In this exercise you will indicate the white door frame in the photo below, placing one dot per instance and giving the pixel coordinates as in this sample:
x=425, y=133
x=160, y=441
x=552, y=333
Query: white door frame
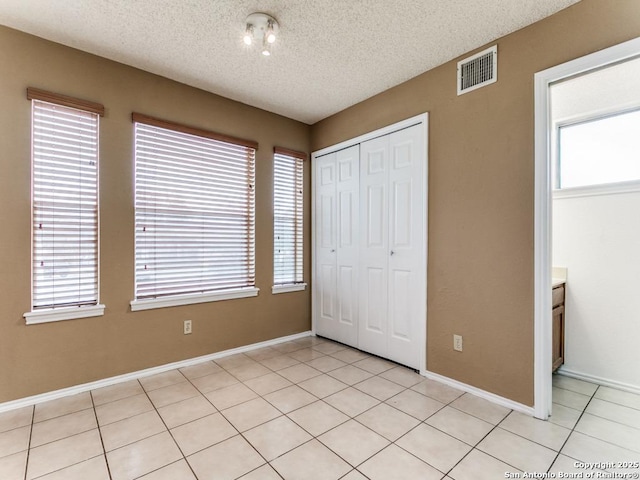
x=543, y=209
x=422, y=119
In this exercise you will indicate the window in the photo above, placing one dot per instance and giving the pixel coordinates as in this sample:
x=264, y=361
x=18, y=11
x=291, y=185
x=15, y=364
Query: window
x=194, y=215
x=599, y=151
x=64, y=142
x=287, y=220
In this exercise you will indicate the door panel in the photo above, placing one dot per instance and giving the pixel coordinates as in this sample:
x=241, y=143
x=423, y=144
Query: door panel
x=325, y=230
x=406, y=247
x=401, y=215
x=347, y=284
x=399, y=311
x=346, y=214
x=347, y=190
x=374, y=246
x=327, y=291
x=327, y=221
x=375, y=321
x=376, y=217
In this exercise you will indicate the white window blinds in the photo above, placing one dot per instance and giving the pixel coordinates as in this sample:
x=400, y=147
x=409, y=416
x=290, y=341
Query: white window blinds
x=288, y=220
x=65, y=206
x=194, y=213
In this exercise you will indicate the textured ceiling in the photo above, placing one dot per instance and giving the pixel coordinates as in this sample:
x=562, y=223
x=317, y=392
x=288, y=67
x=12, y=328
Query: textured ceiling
x=330, y=53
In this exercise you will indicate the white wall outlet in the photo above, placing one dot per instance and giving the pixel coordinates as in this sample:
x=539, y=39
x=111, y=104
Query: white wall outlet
x=457, y=343
x=187, y=327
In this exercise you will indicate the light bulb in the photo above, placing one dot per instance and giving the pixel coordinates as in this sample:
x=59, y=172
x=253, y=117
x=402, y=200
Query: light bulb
x=248, y=35
x=270, y=34
x=266, y=48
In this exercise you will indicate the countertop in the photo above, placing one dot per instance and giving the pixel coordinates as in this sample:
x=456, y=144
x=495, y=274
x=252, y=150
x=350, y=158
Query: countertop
x=556, y=281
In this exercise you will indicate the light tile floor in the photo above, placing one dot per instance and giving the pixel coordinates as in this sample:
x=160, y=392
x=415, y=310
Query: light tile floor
x=310, y=409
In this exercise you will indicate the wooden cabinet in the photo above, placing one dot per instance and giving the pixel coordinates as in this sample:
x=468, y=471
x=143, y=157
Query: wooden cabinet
x=558, y=326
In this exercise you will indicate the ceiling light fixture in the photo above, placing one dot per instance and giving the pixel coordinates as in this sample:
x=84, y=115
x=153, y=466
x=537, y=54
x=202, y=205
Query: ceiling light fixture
x=261, y=29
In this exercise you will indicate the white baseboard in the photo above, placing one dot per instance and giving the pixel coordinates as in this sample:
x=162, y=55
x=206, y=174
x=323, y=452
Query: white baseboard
x=492, y=397
x=85, y=387
x=627, y=387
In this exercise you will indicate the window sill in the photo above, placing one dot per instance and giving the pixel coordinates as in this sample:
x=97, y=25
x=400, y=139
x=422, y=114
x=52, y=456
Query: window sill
x=593, y=190
x=290, y=287
x=177, y=300
x=65, y=313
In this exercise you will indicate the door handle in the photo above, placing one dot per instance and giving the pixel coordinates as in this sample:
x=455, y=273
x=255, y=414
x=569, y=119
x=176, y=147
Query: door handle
x=392, y=252
x=333, y=250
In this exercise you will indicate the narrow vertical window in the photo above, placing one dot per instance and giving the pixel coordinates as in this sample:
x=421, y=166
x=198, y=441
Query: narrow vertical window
x=287, y=220
x=195, y=215
x=65, y=250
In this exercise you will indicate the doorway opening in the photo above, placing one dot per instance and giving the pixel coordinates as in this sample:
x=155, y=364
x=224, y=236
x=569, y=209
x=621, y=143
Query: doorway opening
x=550, y=174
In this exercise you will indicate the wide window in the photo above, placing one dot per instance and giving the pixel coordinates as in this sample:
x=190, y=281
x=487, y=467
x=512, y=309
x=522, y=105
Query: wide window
x=599, y=151
x=194, y=215
x=64, y=207
x=287, y=220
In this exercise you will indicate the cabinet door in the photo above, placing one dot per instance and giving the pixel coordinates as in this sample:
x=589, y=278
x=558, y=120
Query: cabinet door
x=347, y=188
x=325, y=242
x=374, y=245
x=407, y=247
x=558, y=337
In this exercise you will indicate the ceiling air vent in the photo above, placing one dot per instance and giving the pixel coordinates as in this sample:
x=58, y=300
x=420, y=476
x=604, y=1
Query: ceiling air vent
x=478, y=70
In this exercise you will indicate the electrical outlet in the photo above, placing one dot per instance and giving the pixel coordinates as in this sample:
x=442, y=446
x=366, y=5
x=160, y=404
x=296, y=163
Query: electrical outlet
x=457, y=343
x=187, y=327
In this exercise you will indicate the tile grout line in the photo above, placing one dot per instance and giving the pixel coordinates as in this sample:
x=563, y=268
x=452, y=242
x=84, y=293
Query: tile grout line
x=574, y=427
x=606, y=441
x=26, y=463
x=423, y=422
x=95, y=414
x=349, y=418
x=227, y=420
x=64, y=438
x=612, y=421
x=530, y=439
x=155, y=409
x=609, y=419
x=315, y=437
x=475, y=447
x=263, y=423
x=384, y=402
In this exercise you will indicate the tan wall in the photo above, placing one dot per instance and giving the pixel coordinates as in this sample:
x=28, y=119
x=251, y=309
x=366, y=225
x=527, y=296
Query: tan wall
x=481, y=179
x=40, y=358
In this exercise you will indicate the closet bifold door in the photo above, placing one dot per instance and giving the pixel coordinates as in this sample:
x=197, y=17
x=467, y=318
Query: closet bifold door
x=392, y=240
x=336, y=237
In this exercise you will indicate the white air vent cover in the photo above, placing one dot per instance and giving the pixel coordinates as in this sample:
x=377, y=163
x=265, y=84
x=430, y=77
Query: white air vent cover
x=478, y=70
